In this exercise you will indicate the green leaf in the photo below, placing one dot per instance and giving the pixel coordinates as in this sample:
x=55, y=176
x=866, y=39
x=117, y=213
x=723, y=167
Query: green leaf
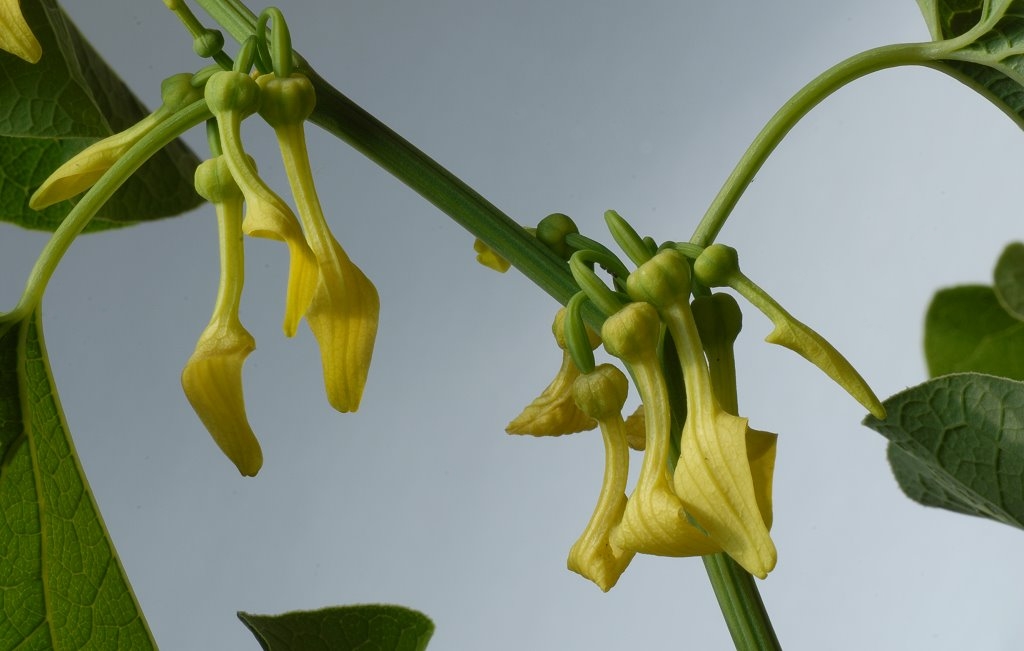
x=52, y=109
x=966, y=329
x=61, y=584
x=377, y=627
x=988, y=60
x=957, y=442
x=1009, y=280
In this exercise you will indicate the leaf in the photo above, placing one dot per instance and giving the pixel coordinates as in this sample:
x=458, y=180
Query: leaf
x=379, y=627
x=1009, y=280
x=966, y=329
x=52, y=109
x=61, y=584
x=957, y=442
x=989, y=62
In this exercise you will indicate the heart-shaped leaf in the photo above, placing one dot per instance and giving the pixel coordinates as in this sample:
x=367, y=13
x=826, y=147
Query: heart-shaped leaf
x=966, y=329
x=61, y=584
x=984, y=55
x=957, y=442
x=52, y=109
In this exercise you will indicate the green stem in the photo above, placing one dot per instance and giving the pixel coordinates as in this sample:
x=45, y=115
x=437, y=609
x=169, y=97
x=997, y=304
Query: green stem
x=344, y=118
x=348, y=121
x=734, y=587
x=859, y=65
x=93, y=200
x=741, y=605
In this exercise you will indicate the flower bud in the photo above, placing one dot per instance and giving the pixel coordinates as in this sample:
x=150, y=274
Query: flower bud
x=716, y=265
x=661, y=281
x=285, y=101
x=601, y=393
x=231, y=91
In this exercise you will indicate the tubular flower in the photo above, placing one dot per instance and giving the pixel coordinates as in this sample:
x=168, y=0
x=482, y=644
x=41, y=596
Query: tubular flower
x=16, y=36
x=212, y=378
x=600, y=394
x=232, y=96
x=85, y=168
x=713, y=477
x=718, y=266
x=654, y=521
x=345, y=307
x=554, y=412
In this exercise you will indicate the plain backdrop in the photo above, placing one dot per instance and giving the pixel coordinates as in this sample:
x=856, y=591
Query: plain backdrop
x=902, y=183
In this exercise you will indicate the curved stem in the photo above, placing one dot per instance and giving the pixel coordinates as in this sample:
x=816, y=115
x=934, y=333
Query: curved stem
x=859, y=65
x=93, y=200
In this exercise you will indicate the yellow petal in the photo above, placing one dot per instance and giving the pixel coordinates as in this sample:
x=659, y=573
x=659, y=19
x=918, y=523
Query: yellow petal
x=16, y=36
x=267, y=216
x=810, y=345
x=87, y=166
x=343, y=316
x=554, y=412
x=488, y=257
x=601, y=395
x=761, y=455
x=654, y=521
x=212, y=380
x=636, y=434
x=714, y=480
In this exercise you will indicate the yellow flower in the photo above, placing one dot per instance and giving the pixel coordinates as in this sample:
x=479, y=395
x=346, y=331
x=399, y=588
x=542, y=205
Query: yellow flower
x=343, y=317
x=16, y=36
x=713, y=477
x=600, y=394
x=212, y=378
x=87, y=166
x=654, y=521
x=212, y=381
x=233, y=96
x=554, y=412
x=345, y=307
x=718, y=266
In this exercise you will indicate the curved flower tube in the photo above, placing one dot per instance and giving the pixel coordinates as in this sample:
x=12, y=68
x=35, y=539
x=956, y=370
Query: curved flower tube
x=600, y=394
x=345, y=307
x=212, y=378
x=232, y=97
x=79, y=173
x=554, y=412
x=713, y=476
x=654, y=521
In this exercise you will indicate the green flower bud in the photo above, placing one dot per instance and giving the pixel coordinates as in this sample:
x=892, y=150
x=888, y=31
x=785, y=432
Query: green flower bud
x=632, y=332
x=286, y=101
x=208, y=43
x=232, y=91
x=552, y=231
x=718, y=319
x=716, y=265
x=602, y=393
x=177, y=92
x=214, y=181
x=662, y=281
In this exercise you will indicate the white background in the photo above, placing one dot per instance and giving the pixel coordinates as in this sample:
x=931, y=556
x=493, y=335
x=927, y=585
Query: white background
x=898, y=185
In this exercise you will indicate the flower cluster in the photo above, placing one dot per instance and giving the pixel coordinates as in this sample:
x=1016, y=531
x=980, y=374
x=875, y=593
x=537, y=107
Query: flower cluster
x=705, y=483
x=325, y=287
